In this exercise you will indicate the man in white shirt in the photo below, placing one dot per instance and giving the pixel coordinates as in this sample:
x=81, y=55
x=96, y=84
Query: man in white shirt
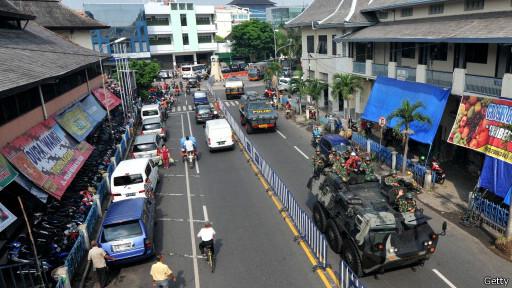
x=189, y=144
x=98, y=256
x=207, y=235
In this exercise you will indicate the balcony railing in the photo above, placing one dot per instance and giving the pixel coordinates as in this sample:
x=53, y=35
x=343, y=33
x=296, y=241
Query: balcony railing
x=406, y=73
x=359, y=67
x=158, y=22
x=483, y=85
x=380, y=70
x=438, y=78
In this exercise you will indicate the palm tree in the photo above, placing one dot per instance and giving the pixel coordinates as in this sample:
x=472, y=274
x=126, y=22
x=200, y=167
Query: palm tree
x=272, y=72
x=406, y=115
x=315, y=88
x=298, y=84
x=344, y=85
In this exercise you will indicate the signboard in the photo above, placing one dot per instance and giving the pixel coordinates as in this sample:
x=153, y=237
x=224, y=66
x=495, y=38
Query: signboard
x=401, y=74
x=7, y=173
x=93, y=108
x=481, y=125
x=382, y=121
x=110, y=101
x=76, y=122
x=6, y=217
x=47, y=156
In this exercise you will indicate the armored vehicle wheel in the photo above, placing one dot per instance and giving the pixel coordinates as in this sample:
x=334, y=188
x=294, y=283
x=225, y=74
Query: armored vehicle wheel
x=333, y=236
x=319, y=217
x=350, y=256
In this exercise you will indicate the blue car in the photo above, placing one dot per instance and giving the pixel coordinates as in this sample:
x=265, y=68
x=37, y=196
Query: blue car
x=327, y=142
x=200, y=98
x=127, y=230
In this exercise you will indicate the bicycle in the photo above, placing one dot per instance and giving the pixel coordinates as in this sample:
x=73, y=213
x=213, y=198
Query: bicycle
x=210, y=257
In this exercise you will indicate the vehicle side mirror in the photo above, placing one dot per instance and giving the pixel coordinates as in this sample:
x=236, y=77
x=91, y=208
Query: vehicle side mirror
x=444, y=227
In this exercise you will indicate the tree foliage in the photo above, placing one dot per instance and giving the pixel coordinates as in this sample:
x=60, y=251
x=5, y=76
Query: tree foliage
x=344, y=85
x=254, y=39
x=272, y=72
x=145, y=74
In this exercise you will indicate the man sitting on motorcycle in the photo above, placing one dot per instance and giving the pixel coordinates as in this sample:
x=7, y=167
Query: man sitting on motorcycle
x=188, y=145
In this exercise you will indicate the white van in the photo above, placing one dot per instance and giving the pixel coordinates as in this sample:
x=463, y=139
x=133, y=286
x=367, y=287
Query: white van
x=129, y=177
x=150, y=111
x=187, y=72
x=219, y=134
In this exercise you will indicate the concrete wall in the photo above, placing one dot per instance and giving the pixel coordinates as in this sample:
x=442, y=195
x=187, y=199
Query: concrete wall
x=487, y=69
x=18, y=126
x=79, y=37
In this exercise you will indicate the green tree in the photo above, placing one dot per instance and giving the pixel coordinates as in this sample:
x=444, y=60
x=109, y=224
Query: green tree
x=315, y=88
x=343, y=87
x=254, y=39
x=272, y=73
x=145, y=74
x=406, y=115
x=300, y=86
x=219, y=39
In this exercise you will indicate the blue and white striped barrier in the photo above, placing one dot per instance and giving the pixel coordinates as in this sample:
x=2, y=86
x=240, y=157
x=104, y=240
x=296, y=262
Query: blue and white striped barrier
x=347, y=278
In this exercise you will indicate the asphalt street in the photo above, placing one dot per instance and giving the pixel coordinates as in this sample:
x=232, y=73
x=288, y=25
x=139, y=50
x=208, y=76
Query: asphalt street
x=461, y=260
x=254, y=246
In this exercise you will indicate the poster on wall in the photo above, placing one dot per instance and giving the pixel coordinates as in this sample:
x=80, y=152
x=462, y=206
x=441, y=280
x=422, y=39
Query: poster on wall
x=484, y=125
x=7, y=173
x=6, y=217
x=48, y=156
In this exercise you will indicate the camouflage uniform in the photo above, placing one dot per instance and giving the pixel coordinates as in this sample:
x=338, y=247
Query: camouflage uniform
x=406, y=205
x=369, y=174
x=339, y=169
x=391, y=180
x=318, y=165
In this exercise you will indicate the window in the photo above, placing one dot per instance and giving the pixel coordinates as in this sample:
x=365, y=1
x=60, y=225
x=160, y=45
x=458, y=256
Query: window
x=406, y=12
x=436, y=9
x=174, y=6
x=157, y=20
x=203, y=20
x=190, y=6
x=183, y=18
x=311, y=44
x=334, y=48
x=439, y=52
x=382, y=14
x=182, y=6
x=204, y=38
x=121, y=231
x=477, y=53
x=470, y=5
x=409, y=50
x=322, y=44
x=185, y=39
x=126, y=180
x=160, y=39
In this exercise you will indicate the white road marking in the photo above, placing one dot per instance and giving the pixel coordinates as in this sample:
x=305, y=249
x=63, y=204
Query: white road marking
x=190, y=107
x=191, y=134
x=226, y=103
x=186, y=101
x=236, y=102
x=302, y=153
x=170, y=194
x=450, y=284
x=173, y=109
x=179, y=108
x=170, y=219
x=282, y=135
x=205, y=213
x=190, y=216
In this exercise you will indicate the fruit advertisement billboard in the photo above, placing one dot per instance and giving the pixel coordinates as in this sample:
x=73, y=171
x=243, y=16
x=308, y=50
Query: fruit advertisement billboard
x=485, y=125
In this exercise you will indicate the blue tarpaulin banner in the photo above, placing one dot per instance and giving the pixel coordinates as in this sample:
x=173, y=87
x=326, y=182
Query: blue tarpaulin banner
x=93, y=108
x=496, y=177
x=387, y=95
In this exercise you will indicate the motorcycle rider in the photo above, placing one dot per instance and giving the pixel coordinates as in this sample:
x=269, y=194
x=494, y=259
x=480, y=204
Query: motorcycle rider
x=188, y=146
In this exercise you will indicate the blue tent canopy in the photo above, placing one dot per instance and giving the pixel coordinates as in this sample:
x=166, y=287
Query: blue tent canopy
x=496, y=177
x=387, y=95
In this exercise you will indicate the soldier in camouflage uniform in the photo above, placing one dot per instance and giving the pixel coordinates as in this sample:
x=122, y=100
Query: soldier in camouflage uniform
x=392, y=180
x=339, y=168
x=332, y=157
x=406, y=203
x=318, y=164
x=366, y=166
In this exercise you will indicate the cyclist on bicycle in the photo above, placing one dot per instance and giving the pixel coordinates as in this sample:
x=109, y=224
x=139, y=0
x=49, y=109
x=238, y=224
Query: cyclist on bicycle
x=207, y=235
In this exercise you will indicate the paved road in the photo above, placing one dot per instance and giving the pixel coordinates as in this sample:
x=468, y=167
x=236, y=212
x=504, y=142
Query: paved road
x=461, y=260
x=255, y=247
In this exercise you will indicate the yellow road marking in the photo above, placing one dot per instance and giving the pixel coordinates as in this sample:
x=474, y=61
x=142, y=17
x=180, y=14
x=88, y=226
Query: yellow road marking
x=288, y=221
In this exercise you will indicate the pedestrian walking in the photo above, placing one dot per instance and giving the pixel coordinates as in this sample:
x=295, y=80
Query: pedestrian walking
x=97, y=255
x=161, y=273
x=165, y=156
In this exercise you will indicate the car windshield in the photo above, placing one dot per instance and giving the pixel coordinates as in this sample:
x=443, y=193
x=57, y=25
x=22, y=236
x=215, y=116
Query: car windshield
x=144, y=147
x=253, y=71
x=203, y=108
x=122, y=231
x=150, y=113
x=152, y=126
x=128, y=180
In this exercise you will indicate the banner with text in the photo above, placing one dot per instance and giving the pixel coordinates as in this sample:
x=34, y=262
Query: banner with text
x=7, y=173
x=76, y=122
x=6, y=217
x=484, y=124
x=109, y=101
x=47, y=156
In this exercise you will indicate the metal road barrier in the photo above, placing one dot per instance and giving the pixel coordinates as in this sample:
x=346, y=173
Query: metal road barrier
x=16, y=276
x=492, y=214
x=347, y=278
x=308, y=231
x=76, y=256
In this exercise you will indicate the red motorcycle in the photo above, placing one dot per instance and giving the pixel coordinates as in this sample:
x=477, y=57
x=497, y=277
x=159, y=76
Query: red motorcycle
x=270, y=93
x=440, y=175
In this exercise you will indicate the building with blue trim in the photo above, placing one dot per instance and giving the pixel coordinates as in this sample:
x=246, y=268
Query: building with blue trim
x=257, y=8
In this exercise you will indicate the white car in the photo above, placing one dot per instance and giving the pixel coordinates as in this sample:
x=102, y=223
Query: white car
x=150, y=111
x=219, y=135
x=127, y=180
x=284, y=84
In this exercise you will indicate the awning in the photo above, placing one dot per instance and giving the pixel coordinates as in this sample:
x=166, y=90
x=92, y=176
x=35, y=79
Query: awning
x=6, y=217
x=491, y=27
x=110, y=101
x=495, y=177
x=387, y=95
x=48, y=156
x=7, y=173
x=31, y=187
x=93, y=108
x=76, y=122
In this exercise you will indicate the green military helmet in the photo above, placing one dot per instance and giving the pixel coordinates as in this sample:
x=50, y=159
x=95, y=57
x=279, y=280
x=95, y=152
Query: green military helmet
x=409, y=196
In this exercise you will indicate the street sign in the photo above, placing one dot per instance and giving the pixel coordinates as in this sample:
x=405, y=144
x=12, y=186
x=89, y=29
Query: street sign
x=382, y=121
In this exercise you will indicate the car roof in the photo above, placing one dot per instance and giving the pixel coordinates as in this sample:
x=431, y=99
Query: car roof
x=336, y=139
x=151, y=120
x=126, y=166
x=204, y=106
x=150, y=106
x=125, y=210
x=146, y=138
x=218, y=122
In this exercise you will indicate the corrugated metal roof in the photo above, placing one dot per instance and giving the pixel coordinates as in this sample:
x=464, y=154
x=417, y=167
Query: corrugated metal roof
x=316, y=11
x=8, y=10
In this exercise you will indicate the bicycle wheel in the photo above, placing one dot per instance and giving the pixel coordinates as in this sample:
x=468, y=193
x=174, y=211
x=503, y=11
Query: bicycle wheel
x=211, y=261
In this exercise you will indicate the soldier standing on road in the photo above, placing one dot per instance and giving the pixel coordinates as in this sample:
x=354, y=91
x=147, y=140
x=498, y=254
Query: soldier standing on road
x=161, y=273
x=318, y=164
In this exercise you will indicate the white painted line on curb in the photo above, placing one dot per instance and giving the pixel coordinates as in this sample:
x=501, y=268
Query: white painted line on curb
x=205, y=213
x=282, y=135
x=302, y=153
x=450, y=284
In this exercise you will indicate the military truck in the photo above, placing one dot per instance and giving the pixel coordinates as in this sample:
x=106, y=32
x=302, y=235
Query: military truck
x=257, y=113
x=369, y=233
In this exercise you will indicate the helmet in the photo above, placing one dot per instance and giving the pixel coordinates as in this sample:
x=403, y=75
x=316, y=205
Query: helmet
x=333, y=149
x=409, y=196
x=353, y=154
x=187, y=138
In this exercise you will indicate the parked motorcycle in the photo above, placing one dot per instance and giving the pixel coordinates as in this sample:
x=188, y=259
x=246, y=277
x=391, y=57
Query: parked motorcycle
x=440, y=175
